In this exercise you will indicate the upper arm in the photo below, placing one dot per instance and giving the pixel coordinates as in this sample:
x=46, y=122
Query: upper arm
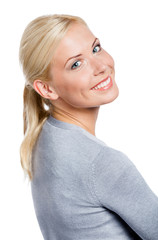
x=120, y=187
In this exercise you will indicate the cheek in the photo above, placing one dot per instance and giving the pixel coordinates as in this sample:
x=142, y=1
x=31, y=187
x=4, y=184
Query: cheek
x=71, y=82
x=108, y=58
x=78, y=81
x=112, y=63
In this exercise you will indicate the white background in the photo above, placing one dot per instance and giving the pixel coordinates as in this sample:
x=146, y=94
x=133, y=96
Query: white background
x=128, y=31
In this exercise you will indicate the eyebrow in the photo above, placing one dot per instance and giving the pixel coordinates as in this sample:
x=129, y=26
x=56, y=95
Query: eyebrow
x=78, y=55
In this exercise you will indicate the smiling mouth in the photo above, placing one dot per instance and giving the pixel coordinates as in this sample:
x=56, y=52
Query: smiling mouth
x=104, y=84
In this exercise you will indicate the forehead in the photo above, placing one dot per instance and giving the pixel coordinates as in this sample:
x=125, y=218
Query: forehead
x=75, y=41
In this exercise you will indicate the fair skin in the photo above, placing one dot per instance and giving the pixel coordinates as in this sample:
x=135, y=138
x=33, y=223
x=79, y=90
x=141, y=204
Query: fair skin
x=70, y=89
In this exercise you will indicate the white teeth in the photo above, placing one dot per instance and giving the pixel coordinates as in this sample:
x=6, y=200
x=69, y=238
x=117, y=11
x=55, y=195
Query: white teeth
x=103, y=84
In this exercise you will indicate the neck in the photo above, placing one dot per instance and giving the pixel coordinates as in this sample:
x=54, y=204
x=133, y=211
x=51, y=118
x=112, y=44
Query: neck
x=83, y=117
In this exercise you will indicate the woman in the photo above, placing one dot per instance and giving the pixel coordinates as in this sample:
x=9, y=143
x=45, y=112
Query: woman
x=81, y=188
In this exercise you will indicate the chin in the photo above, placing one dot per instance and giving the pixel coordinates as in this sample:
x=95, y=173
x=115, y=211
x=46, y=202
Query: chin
x=111, y=97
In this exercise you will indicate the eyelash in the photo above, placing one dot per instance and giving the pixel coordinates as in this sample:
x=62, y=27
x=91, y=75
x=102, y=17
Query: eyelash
x=78, y=60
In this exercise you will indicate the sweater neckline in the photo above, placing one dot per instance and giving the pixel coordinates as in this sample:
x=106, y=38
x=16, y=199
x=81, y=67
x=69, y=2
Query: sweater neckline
x=71, y=126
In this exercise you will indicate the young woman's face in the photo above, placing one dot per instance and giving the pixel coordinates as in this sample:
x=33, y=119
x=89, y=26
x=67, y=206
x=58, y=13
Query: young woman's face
x=80, y=64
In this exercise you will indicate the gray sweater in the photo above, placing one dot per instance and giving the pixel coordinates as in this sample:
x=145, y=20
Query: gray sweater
x=83, y=189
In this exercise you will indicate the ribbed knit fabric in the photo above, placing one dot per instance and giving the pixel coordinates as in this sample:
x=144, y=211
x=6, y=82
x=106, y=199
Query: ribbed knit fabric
x=83, y=189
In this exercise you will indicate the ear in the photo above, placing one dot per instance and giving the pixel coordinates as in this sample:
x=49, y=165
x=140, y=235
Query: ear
x=45, y=90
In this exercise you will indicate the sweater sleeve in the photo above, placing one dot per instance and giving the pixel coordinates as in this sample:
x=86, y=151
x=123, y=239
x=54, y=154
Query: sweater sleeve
x=119, y=187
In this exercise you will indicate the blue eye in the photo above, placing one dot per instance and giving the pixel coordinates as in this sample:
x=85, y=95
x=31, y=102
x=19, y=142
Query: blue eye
x=98, y=46
x=75, y=65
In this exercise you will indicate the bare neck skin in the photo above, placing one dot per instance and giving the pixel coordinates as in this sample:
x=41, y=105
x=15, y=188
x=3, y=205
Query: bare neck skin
x=83, y=117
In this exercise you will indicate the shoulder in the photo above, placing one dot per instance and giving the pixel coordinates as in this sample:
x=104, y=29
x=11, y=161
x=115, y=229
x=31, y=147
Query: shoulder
x=72, y=141
x=111, y=157
x=112, y=174
x=110, y=165
x=79, y=144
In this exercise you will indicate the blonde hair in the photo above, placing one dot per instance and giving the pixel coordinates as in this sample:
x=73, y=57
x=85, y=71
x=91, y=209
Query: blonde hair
x=37, y=47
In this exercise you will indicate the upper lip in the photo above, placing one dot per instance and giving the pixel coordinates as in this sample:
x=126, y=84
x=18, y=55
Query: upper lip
x=101, y=81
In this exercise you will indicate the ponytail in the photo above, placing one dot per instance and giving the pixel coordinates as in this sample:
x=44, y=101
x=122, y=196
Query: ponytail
x=38, y=44
x=34, y=116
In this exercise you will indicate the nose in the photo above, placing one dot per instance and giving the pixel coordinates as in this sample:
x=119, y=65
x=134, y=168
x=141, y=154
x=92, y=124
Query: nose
x=99, y=67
